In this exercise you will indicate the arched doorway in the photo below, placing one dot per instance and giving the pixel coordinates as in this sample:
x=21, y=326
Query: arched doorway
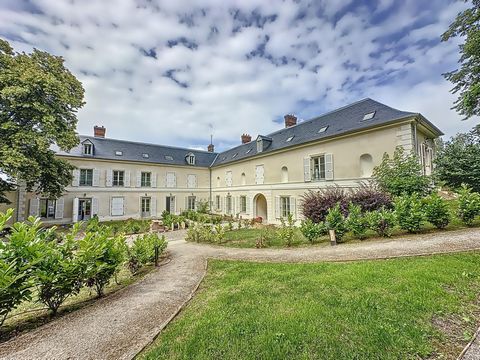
x=260, y=206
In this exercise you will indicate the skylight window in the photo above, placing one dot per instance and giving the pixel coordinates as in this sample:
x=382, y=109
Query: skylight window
x=118, y=153
x=290, y=138
x=234, y=155
x=248, y=151
x=323, y=129
x=145, y=155
x=168, y=157
x=369, y=116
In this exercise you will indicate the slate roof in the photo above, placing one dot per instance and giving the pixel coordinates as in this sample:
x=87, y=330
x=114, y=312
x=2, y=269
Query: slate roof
x=341, y=121
x=105, y=148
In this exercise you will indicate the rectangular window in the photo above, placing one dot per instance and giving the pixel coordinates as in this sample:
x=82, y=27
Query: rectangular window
x=146, y=179
x=117, y=208
x=217, y=202
x=146, y=201
x=318, y=168
x=229, y=204
x=284, y=206
x=47, y=208
x=171, y=180
x=118, y=178
x=86, y=177
x=87, y=149
x=191, y=203
x=243, y=204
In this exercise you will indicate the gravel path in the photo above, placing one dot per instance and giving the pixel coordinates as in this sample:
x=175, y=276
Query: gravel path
x=120, y=325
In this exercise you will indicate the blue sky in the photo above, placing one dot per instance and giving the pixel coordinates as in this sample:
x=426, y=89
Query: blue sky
x=174, y=72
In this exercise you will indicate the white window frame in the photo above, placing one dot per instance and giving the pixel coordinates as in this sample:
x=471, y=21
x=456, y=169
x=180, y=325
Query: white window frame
x=47, y=201
x=85, y=177
x=316, y=172
x=146, y=206
x=229, y=204
x=87, y=149
x=191, y=201
x=218, y=202
x=243, y=204
x=144, y=176
x=285, y=206
x=116, y=179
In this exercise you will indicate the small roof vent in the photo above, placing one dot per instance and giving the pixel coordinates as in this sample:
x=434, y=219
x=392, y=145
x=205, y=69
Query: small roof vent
x=369, y=116
x=145, y=155
x=323, y=129
x=118, y=153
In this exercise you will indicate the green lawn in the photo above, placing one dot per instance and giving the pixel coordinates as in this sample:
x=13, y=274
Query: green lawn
x=410, y=308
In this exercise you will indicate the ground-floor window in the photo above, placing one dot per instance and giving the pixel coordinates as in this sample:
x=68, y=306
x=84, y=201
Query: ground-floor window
x=243, y=204
x=191, y=203
x=117, y=206
x=284, y=206
x=47, y=208
x=146, y=202
x=229, y=204
x=218, y=202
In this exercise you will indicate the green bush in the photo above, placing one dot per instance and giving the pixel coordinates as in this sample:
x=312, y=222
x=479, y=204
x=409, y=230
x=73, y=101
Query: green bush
x=410, y=212
x=142, y=251
x=468, y=205
x=286, y=232
x=201, y=233
x=312, y=231
x=436, y=211
x=18, y=254
x=356, y=221
x=381, y=221
x=100, y=256
x=401, y=174
x=57, y=273
x=219, y=233
x=336, y=221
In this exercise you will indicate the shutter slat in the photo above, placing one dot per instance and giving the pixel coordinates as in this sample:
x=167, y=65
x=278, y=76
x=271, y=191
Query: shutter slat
x=307, y=177
x=328, y=166
x=59, y=206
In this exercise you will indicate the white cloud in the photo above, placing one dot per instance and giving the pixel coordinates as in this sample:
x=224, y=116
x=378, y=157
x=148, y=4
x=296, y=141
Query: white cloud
x=218, y=68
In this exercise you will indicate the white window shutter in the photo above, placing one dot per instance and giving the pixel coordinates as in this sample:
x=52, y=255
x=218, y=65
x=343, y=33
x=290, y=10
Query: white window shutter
x=139, y=179
x=153, y=206
x=328, y=166
x=59, y=206
x=154, y=179
x=293, y=207
x=96, y=177
x=76, y=177
x=277, y=207
x=127, y=178
x=249, y=199
x=75, y=210
x=34, y=207
x=94, y=206
x=109, y=178
x=306, y=170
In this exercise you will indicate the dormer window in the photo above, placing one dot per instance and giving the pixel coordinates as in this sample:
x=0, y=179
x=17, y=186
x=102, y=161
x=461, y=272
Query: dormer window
x=190, y=159
x=87, y=148
x=323, y=129
x=369, y=116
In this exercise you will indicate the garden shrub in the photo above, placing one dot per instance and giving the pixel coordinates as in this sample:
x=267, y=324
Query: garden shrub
x=316, y=204
x=142, y=251
x=436, y=211
x=219, y=233
x=401, y=174
x=410, y=212
x=57, y=273
x=100, y=256
x=312, y=231
x=201, y=233
x=356, y=221
x=370, y=198
x=19, y=252
x=286, y=232
x=336, y=221
x=267, y=234
x=381, y=221
x=468, y=205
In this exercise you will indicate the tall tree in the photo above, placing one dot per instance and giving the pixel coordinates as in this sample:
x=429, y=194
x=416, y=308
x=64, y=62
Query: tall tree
x=457, y=160
x=466, y=80
x=39, y=99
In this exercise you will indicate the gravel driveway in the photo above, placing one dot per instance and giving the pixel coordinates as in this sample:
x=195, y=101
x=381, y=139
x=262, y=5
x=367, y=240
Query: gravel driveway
x=121, y=325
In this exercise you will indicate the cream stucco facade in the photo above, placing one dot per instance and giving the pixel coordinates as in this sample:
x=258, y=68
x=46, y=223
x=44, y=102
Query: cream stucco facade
x=268, y=185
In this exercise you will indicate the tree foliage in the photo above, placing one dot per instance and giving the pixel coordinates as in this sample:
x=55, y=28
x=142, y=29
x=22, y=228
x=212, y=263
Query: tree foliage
x=466, y=79
x=401, y=174
x=458, y=160
x=39, y=99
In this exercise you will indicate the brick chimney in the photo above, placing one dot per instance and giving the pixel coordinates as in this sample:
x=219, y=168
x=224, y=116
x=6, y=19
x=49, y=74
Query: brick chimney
x=290, y=120
x=211, y=148
x=246, y=138
x=99, y=131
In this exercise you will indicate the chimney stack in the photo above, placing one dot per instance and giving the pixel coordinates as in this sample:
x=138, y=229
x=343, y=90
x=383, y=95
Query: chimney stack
x=211, y=148
x=290, y=120
x=246, y=138
x=99, y=131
